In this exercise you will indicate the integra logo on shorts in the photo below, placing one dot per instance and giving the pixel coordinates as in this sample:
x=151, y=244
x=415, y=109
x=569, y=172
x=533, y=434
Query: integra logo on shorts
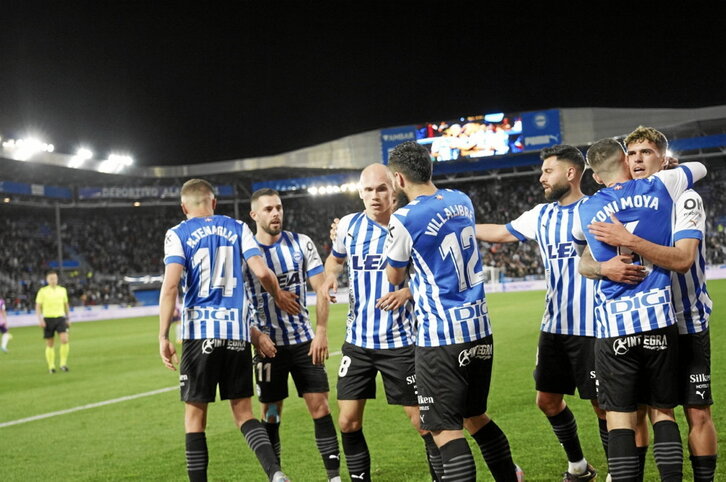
x=646, y=299
x=236, y=345
x=621, y=346
x=210, y=344
x=484, y=352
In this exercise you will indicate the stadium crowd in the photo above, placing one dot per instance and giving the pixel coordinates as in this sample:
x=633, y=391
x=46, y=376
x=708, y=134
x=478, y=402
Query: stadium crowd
x=107, y=244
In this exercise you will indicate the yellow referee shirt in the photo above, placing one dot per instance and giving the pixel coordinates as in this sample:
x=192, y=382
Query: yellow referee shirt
x=52, y=301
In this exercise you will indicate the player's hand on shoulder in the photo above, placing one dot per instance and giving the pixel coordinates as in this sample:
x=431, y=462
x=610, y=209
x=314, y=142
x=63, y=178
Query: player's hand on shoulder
x=334, y=229
x=168, y=354
x=287, y=301
x=671, y=162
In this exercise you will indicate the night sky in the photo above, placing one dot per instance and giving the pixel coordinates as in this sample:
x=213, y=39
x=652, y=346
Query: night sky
x=177, y=86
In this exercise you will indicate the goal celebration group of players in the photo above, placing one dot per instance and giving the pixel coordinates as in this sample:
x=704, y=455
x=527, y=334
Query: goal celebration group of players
x=625, y=320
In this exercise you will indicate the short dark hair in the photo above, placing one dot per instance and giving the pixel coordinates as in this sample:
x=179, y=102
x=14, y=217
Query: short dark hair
x=265, y=191
x=564, y=152
x=412, y=160
x=602, y=151
x=51, y=271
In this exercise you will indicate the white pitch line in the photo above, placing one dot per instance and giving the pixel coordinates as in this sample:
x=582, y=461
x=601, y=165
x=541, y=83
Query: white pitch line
x=86, y=407
x=98, y=404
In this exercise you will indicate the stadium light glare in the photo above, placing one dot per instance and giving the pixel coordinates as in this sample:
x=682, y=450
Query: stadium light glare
x=669, y=153
x=23, y=149
x=313, y=190
x=137, y=204
x=7, y=199
x=115, y=163
x=82, y=155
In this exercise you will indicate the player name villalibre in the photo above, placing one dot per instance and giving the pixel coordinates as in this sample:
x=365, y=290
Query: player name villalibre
x=636, y=201
x=198, y=234
x=433, y=227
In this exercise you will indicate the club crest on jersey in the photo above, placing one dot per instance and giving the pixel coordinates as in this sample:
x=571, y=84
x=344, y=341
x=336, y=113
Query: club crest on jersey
x=369, y=262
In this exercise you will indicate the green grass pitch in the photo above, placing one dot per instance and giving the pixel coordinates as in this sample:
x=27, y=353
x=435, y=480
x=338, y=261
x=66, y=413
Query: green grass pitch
x=142, y=438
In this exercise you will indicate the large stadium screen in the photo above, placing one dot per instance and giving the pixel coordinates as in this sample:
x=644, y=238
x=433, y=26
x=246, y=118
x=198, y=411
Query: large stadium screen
x=472, y=136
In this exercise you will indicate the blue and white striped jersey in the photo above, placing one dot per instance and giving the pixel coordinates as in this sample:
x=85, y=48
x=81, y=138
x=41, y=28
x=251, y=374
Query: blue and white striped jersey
x=646, y=208
x=436, y=236
x=293, y=259
x=212, y=249
x=569, y=302
x=362, y=241
x=690, y=297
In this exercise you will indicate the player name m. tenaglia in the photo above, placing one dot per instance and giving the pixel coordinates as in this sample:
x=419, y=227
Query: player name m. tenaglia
x=433, y=227
x=635, y=201
x=205, y=231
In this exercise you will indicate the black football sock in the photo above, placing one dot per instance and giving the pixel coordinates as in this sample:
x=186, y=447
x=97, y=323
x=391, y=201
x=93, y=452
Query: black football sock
x=357, y=456
x=197, y=456
x=259, y=442
x=458, y=461
x=565, y=428
x=622, y=455
x=494, y=447
x=433, y=455
x=668, y=451
x=704, y=467
x=273, y=433
x=603, y=426
x=327, y=441
x=642, y=459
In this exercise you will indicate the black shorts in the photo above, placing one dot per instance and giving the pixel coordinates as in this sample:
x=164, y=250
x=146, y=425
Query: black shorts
x=638, y=369
x=565, y=362
x=358, y=369
x=271, y=373
x=694, y=364
x=53, y=325
x=211, y=362
x=453, y=382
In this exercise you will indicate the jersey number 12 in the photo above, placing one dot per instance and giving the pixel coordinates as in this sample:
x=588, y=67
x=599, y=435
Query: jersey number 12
x=453, y=245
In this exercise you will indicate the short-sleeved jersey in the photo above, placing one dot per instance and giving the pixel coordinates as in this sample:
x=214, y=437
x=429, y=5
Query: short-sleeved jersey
x=293, y=259
x=646, y=208
x=436, y=236
x=690, y=298
x=362, y=241
x=212, y=250
x=52, y=301
x=569, y=302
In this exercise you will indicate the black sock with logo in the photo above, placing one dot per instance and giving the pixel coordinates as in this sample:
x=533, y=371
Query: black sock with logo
x=327, y=441
x=357, y=456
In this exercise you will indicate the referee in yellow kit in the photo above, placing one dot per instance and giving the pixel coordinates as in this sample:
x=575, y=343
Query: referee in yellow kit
x=51, y=304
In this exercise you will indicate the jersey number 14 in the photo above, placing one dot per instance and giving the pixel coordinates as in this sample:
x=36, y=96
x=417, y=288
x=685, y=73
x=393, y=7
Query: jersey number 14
x=222, y=276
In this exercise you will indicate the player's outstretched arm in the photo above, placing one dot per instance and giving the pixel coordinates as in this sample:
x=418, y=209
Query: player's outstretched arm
x=678, y=258
x=319, y=346
x=285, y=300
x=494, y=233
x=394, y=300
x=167, y=304
x=618, y=268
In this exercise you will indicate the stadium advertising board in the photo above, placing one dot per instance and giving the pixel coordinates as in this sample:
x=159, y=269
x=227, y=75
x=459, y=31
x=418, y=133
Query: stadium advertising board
x=488, y=135
x=10, y=187
x=142, y=192
x=390, y=138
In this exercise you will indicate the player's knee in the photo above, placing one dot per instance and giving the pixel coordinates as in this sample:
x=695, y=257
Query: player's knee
x=349, y=424
x=550, y=405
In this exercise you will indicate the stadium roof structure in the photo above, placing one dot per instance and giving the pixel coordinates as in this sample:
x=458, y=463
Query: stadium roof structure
x=700, y=132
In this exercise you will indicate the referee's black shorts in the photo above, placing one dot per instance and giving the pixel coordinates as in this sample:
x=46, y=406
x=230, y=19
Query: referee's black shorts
x=53, y=325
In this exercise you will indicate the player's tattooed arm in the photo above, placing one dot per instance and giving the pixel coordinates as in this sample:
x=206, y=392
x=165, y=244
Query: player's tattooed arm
x=677, y=258
x=262, y=342
x=167, y=304
x=494, y=233
x=394, y=299
x=619, y=268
